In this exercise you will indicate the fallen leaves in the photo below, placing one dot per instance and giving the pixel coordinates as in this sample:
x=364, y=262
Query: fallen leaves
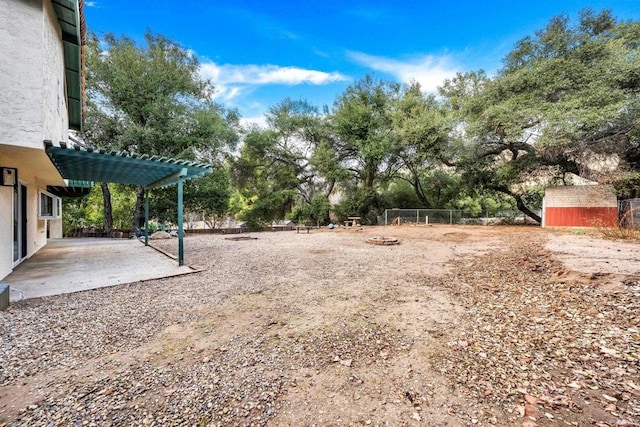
x=538, y=343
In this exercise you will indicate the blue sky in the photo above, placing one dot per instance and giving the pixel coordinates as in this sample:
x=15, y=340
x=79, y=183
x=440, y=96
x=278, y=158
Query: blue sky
x=257, y=52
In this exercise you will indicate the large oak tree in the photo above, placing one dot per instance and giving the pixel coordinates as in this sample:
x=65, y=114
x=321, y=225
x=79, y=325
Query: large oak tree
x=150, y=99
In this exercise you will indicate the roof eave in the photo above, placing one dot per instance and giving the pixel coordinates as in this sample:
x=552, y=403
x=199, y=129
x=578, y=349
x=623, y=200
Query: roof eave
x=70, y=16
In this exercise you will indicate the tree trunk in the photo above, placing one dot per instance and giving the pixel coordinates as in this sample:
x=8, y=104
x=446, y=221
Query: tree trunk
x=108, y=208
x=138, y=214
x=419, y=189
x=521, y=206
x=525, y=210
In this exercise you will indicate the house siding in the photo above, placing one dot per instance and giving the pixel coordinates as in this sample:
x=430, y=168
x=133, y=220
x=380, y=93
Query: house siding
x=32, y=108
x=54, y=99
x=581, y=217
x=6, y=227
x=580, y=206
x=21, y=73
x=36, y=228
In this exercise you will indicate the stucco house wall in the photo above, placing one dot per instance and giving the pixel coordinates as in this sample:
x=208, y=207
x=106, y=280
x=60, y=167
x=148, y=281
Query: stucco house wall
x=33, y=107
x=6, y=228
x=21, y=82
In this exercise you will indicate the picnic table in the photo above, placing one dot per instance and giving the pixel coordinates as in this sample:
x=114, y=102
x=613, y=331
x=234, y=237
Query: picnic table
x=353, y=221
x=303, y=227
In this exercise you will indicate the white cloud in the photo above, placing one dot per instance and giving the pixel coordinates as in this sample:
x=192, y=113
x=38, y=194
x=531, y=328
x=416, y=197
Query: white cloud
x=267, y=74
x=230, y=80
x=91, y=3
x=260, y=121
x=429, y=70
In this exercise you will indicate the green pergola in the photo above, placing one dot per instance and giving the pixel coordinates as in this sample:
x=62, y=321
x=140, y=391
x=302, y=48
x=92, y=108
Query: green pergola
x=79, y=163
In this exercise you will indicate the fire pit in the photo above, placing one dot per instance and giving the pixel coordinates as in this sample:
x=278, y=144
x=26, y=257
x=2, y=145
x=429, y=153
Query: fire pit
x=383, y=241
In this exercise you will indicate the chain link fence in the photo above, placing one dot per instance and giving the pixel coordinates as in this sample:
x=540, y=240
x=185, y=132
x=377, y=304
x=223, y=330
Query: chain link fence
x=629, y=213
x=452, y=216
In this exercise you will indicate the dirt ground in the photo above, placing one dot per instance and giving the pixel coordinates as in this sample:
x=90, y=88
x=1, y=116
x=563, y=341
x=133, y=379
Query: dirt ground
x=455, y=326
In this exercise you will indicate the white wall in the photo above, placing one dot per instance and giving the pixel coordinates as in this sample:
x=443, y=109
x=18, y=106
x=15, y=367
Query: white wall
x=54, y=101
x=594, y=196
x=32, y=109
x=6, y=228
x=21, y=82
x=55, y=228
x=36, y=228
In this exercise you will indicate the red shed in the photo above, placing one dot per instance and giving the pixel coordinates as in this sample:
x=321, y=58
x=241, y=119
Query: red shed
x=579, y=206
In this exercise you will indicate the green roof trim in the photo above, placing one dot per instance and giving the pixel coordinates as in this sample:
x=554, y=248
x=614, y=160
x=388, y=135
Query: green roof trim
x=68, y=13
x=75, y=162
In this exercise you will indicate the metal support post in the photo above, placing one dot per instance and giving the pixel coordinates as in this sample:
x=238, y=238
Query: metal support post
x=180, y=225
x=146, y=217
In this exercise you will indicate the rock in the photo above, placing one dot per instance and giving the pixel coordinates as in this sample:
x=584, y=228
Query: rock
x=158, y=235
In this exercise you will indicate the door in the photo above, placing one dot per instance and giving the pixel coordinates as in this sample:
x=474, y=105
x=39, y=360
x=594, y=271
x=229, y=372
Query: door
x=19, y=223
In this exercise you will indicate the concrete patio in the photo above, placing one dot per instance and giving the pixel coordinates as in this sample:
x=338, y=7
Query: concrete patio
x=73, y=265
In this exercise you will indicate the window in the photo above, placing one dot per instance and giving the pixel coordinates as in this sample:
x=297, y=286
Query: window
x=49, y=206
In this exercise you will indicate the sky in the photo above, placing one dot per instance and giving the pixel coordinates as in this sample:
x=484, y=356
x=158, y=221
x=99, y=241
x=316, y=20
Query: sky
x=259, y=52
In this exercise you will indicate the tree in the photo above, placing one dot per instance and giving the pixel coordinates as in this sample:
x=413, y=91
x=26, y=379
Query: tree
x=585, y=79
x=289, y=164
x=495, y=152
x=151, y=100
x=363, y=125
x=422, y=130
x=209, y=195
x=564, y=94
x=267, y=176
x=364, y=141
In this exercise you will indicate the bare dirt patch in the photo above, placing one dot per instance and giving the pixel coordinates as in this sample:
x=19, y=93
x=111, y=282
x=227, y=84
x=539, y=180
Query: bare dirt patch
x=454, y=326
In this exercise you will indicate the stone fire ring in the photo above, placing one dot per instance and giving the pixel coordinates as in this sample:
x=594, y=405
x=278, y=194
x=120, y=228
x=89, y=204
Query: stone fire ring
x=383, y=241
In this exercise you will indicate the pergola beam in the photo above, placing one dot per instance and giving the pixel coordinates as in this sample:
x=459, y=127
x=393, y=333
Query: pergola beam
x=168, y=180
x=96, y=164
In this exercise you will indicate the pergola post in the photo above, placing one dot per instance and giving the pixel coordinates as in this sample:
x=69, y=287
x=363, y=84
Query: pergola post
x=146, y=217
x=75, y=162
x=180, y=224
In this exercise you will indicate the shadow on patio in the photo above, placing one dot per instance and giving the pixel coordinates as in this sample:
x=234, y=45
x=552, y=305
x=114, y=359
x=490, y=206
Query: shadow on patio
x=72, y=265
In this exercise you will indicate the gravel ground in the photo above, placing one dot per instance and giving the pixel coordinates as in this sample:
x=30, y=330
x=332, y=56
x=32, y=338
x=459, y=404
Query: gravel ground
x=454, y=326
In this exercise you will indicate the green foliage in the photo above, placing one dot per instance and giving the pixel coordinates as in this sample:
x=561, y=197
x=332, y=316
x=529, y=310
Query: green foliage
x=268, y=208
x=401, y=194
x=317, y=211
x=484, y=204
x=290, y=164
x=628, y=188
x=73, y=214
x=563, y=94
x=123, y=200
x=150, y=99
x=366, y=203
x=582, y=79
x=362, y=122
x=422, y=127
x=89, y=210
x=209, y=194
x=299, y=214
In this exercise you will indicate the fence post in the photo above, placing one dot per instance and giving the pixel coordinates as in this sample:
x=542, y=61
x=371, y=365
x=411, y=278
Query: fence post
x=450, y=216
x=385, y=216
x=417, y=216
